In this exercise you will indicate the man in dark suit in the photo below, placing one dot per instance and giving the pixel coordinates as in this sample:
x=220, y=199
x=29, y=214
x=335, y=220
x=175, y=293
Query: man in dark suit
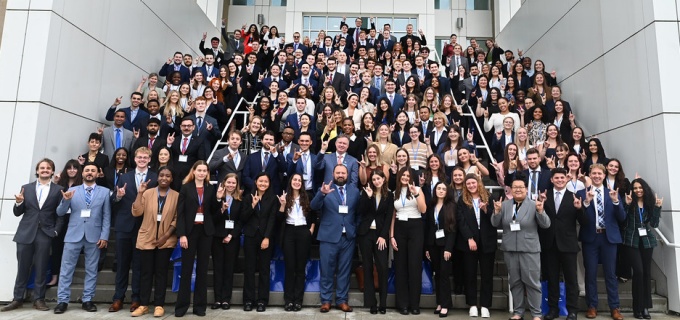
x=537, y=178
x=423, y=123
x=367, y=81
x=206, y=126
x=302, y=162
x=133, y=114
x=337, y=202
x=444, y=84
x=186, y=149
x=498, y=144
x=297, y=44
x=214, y=49
x=37, y=202
x=306, y=80
x=413, y=37
x=333, y=78
x=152, y=140
x=559, y=243
x=209, y=69
x=127, y=228
x=274, y=76
x=293, y=119
x=599, y=238
x=457, y=59
x=154, y=108
x=386, y=43
x=356, y=31
x=268, y=160
x=230, y=159
x=469, y=84
x=327, y=162
x=175, y=64
x=234, y=43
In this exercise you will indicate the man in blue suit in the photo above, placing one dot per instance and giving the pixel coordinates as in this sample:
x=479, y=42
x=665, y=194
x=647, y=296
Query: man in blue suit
x=127, y=228
x=306, y=79
x=302, y=162
x=268, y=160
x=599, y=238
x=327, y=162
x=175, y=64
x=337, y=203
x=397, y=100
x=537, y=178
x=134, y=116
x=88, y=230
x=293, y=119
x=209, y=69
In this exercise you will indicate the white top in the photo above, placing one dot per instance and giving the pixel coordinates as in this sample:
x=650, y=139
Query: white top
x=575, y=186
x=295, y=215
x=405, y=207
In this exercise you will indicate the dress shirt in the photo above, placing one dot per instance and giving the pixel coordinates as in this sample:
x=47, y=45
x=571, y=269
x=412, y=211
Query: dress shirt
x=42, y=191
x=295, y=215
x=140, y=176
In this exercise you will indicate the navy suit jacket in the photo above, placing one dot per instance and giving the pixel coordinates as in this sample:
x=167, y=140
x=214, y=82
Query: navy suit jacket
x=327, y=163
x=253, y=167
x=264, y=85
x=168, y=69
x=331, y=221
x=498, y=146
x=543, y=179
x=398, y=102
x=613, y=215
x=292, y=120
x=215, y=71
x=298, y=167
x=122, y=209
x=142, y=117
x=212, y=135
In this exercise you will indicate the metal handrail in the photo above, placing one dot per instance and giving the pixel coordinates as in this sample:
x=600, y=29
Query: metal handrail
x=665, y=240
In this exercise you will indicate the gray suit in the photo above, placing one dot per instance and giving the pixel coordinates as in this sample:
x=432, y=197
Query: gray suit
x=223, y=168
x=83, y=233
x=34, y=235
x=109, y=141
x=522, y=252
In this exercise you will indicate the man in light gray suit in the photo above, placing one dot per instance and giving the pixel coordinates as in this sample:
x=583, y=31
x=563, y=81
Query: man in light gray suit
x=520, y=219
x=230, y=159
x=116, y=136
x=88, y=230
x=37, y=202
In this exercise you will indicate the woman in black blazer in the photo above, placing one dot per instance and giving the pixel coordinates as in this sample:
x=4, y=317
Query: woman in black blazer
x=196, y=208
x=440, y=234
x=258, y=224
x=478, y=241
x=376, y=207
x=434, y=173
x=227, y=240
x=93, y=155
x=298, y=220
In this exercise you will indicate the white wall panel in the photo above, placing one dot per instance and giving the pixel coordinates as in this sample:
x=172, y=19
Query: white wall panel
x=668, y=50
x=13, y=36
x=6, y=126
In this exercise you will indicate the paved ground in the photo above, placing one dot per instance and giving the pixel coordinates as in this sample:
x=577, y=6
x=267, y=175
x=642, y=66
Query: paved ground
x=278, y=313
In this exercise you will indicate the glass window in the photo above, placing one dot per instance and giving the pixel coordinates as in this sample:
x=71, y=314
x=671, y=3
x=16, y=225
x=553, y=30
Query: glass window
x=477, y=4
x=305, y=22
x=331, y=24
x=243, y=2
x=442, y=4
x=279, y=3
x=318, y=23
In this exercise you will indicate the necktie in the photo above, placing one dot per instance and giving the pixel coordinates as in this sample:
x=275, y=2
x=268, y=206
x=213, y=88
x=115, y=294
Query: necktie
x=558, y=201
x=184, y=145
x=424, y=127
x=328, y=51
x=151, y=142
x=177, y=67
x=140, y=179
x=209, y=71
x=119, y=139
x=332, y=77
x=296, y=46
x=339, y=159
x=600, y=210
x=266, y=161
x=299, y=116
x=386, y=41
x=356, y=35
x=474, y=81
x=304, y=163
x=199, y=122
x=534, y=181
x=88, y=196
x=236, y=44
x=342, y=194
x=377, y=82
x=457, y=63
x=237, y=159
x=391, y=96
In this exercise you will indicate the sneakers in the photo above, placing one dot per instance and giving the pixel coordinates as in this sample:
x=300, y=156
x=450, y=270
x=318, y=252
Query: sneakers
x=158, y=312
x=485, y=313
x=473, y=311
x=140, y=311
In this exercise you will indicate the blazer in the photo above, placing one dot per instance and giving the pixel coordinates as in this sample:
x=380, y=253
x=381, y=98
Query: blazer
x=526, y=239
x=398, y=102
x=101, y=160
x=168, y=69
x=223, y=168
x=327, y=162
x=331, y=221
x=543, y=179
x=484, y=233
x=650, y=219
x=498, y=147
x=562, y=230
x=254, y=166
x=100, y=215
x=299, y=168
x=233, y=46
x=613, y=215
x=339, y=83
x=292, y=120
x=382, y=215
x=215, y=72
x=234, y=213
x=36, y=218
x=212, y=135
x=261, y=219
x=146, y=207
x=198, y=149
x=431, y=227
x=187, y=205
x=219, y=56
x=109, y=139
x=124, y=220
x=158, y=143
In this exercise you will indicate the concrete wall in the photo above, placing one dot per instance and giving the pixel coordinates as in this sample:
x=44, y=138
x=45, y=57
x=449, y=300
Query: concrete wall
x=617, y=62
x=63, y=63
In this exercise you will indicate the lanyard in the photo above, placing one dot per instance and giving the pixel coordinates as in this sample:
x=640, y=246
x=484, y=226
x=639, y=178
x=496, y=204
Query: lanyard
x=161, y=202
x=415, y=152
x=200, y=197
x=229, y=201
x=640, y=212
x=403, y=200
x=436, y=216
x=297, y=207
x=574, y=184
x=475, y=204
x=514, y=211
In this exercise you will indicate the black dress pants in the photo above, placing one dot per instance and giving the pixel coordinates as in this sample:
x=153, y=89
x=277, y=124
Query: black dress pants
x=370, y=255
x=442, y=273
x=256, y=259
x=297, y=242
x=155, y=264
x=485, y=260
x=199, y=248
x=224, y=256
x=409, y=262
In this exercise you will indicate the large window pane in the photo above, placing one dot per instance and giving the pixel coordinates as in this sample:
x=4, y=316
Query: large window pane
x=334, y=24
x=477, y=4
x=318, y=23
x=243, y=2
x=279, y=3
x=305, y=22
x=442, y=4
x=399, y=24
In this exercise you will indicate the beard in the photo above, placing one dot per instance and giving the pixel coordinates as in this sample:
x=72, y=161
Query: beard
x=339, y=181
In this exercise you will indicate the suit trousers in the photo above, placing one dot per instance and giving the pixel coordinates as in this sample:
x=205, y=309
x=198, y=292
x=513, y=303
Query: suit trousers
x=336, y=258
x=68, y=267
x=408, y=262
x=224, y=260
x=553, y=262
x=640, y=260
x=601, y=251
x=442, y=274
x=127, y=257
x=154, y=270
x=297, y=242
x=370, y=255
x=457, y=267
x=524, y=271
x=256, y=259
x=36, y=255
x=485, y=260
x=198, y=249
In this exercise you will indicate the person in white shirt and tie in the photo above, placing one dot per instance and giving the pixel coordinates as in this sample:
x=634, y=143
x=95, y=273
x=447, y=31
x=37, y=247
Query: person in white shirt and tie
x=230, y=159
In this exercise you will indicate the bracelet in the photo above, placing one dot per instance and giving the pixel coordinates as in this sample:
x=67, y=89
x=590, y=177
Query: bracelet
x=391, y=237
x=416, y=195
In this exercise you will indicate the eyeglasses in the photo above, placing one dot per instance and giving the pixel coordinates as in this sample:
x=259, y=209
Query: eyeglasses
x=518, y=187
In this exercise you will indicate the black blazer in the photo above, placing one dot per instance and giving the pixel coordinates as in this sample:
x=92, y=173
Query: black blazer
x=543, y=179
x=36, y=218
x=562, y=230
x=259, y=220
x=187, y=205
x=101, y=160
x=485, y=235
x=431, y=227
x=382, y=215
x=237, y=207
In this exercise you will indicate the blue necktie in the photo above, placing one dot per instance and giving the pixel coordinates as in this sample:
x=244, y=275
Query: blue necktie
x=119, y=139
x=600, y=210
x=88, y=196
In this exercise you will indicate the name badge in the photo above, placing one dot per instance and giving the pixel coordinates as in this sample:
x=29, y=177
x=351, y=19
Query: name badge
x=514, y=226
x=159, y=217
x=642, y=232
x=373, y=226
x=415, y=168
x=343, y=229
x=183, y=158
x=450, y=163
x=343, y=209
x=534, y=197
x=229, y=224
x=439, y=234
x=85, y=213
x=254, y=151
x=403, y=217
x=305, y=177
x=199, y=217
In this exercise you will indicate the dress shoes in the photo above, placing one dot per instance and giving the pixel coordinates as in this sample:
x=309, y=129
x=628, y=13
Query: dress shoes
x=261, y=307
x=415, y=311
x=40, y=305
x=325, y=307
x=248, y=306
x=403, y=311
x=116, y=306
x=89, y=306
x=158, y=311
x=591, y=313
x=140, y=311
x=444, y=313
x=61, y=308
x=134, y=306
x=200, y=313
x=226, y=306
x=637, y=315
x=374, y=310
x=289, y=307
x=297, y=307
x=552, y=315
x=616, y=314
x=344, y=307
x=382, y=310
x=12, y=306
x=645, y=314
x=572, y=316
x=216, y=306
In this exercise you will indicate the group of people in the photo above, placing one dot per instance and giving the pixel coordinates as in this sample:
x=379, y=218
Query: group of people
x=356, y=140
